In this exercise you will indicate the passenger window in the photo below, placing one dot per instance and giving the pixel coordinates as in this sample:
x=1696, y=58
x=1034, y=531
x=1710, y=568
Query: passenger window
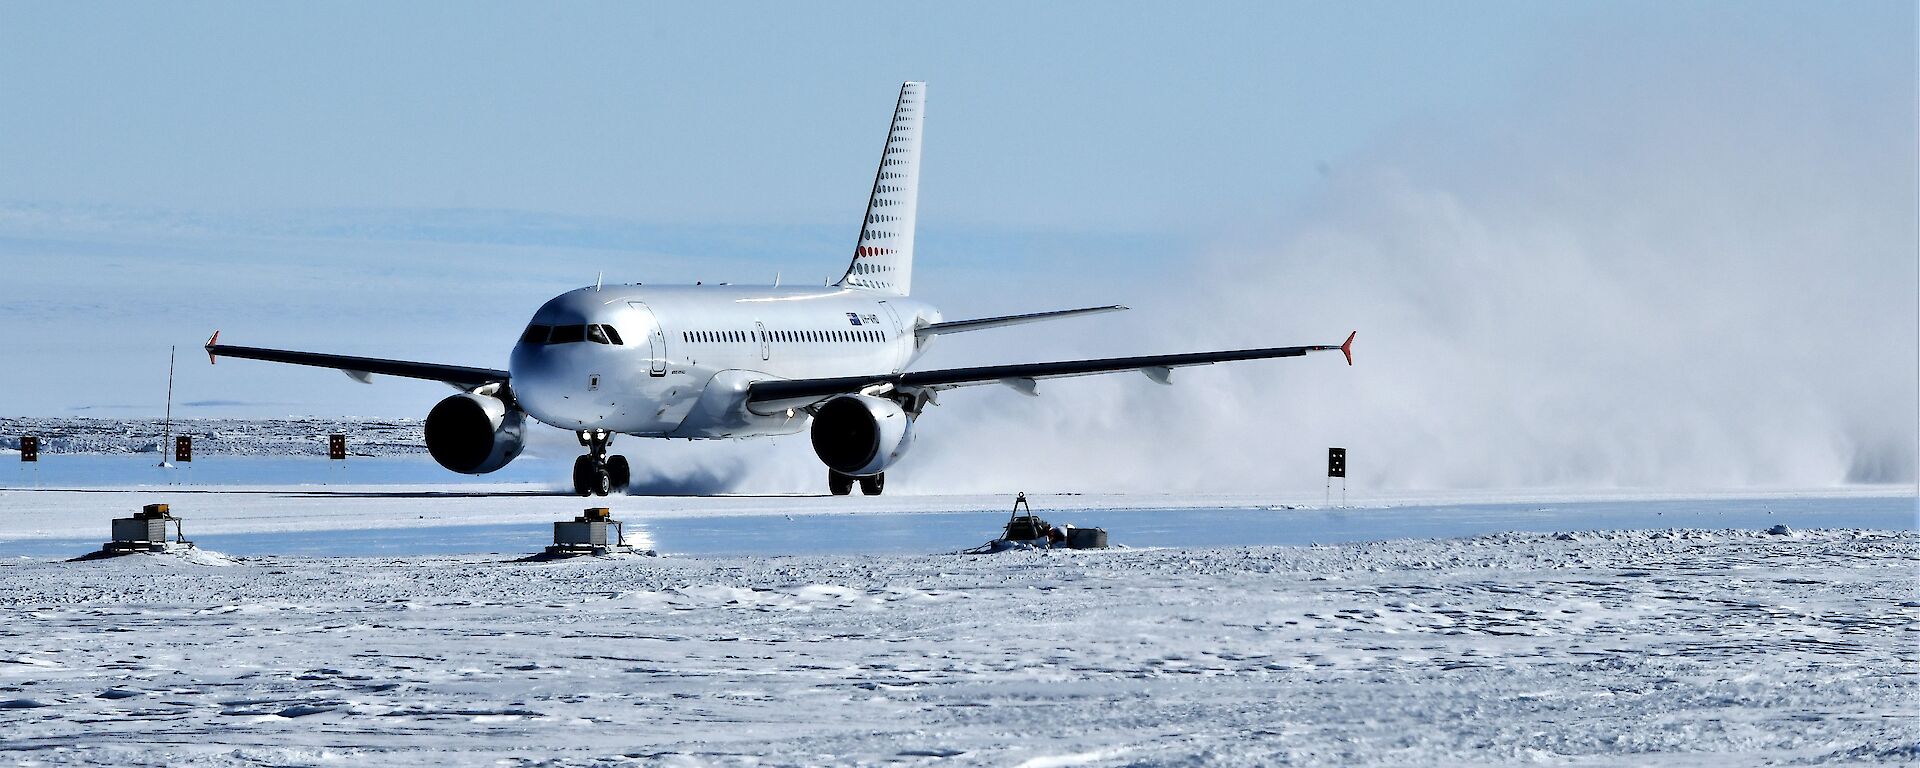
x=613, y=335
x=597, y=334
x=536, y=334
x=568, y=334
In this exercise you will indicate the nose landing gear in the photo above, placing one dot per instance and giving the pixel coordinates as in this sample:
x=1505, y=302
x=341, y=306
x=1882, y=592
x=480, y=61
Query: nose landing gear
x=597, y=474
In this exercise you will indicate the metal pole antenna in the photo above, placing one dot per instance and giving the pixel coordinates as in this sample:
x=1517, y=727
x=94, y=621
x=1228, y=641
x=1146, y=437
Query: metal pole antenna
x=166, y=443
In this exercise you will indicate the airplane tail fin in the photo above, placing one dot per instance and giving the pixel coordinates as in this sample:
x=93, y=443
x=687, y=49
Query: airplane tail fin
x=883, y=257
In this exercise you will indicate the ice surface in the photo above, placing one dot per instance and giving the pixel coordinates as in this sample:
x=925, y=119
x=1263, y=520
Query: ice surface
x=1672, y=647
x=420, y=520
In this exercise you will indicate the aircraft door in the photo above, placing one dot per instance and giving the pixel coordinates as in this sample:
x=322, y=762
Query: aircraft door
x=760, y=330
x=894, y=316
x=656, y=339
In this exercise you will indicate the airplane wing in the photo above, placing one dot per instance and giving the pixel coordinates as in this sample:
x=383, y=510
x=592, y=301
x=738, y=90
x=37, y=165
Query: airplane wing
x=362, y=368
x=777, y=394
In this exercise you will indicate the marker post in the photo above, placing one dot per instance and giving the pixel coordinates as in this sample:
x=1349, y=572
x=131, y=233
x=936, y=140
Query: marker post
x=1337, y=467
x=183, y=451
x=337, y=450
x=30, y=454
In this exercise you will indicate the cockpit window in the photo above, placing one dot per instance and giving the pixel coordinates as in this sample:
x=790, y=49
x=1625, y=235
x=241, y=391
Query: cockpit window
x=568, y=334
x=598, y=334
x=536, y=334
x=612, y=335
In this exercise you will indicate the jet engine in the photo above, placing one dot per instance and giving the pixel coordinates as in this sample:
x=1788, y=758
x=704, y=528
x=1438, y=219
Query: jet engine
x=861, y=435
x=475, y=434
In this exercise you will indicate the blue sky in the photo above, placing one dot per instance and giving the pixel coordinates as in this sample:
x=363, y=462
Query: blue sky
x=1091, y=116
x=411, y=180
x=1074, y=117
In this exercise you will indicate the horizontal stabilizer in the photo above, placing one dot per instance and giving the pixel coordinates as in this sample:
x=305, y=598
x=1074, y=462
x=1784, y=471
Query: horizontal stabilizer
x=961, y=326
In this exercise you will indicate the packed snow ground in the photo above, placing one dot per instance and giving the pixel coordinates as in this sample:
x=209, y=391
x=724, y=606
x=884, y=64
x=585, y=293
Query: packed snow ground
x=1681, y=648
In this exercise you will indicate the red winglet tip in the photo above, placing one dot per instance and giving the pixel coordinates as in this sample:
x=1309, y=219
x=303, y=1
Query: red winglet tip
x=1347, y=348
x=212, y=340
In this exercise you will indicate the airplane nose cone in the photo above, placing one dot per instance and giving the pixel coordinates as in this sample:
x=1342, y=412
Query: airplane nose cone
x=550, y=390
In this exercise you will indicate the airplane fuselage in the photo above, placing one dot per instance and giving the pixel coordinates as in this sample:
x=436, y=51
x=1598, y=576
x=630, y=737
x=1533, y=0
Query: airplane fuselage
x=685, y=354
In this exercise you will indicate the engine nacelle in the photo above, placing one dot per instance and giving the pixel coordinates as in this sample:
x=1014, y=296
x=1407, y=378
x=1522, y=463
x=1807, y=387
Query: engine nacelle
x=475, y=434
x=861, y=435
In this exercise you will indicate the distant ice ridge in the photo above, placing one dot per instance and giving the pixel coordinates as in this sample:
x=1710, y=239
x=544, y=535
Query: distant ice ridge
x=225, y=437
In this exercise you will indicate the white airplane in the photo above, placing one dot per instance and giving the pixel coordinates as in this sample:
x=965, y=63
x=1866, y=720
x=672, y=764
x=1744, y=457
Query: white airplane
x=709, y=362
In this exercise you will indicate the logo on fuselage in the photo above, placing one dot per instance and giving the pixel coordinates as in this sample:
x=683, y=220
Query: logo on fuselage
x=859, y=319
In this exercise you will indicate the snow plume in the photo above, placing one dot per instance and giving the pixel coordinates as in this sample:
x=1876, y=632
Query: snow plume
x=1680, y=265
x=663, y=467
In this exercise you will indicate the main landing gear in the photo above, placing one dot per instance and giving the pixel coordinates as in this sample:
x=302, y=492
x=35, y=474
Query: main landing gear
x=597, y=474
x=842, y=485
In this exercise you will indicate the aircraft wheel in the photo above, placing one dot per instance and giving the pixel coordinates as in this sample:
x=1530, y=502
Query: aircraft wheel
x=619, y=473
x=839, y=484
x=583, y=475
x=872, y=486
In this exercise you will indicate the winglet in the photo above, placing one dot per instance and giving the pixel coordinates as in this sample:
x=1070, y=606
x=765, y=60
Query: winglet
x=212, y=340
x=1345, y=349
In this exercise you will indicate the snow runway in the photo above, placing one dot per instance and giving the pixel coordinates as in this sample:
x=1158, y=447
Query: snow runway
x=1696, y=648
